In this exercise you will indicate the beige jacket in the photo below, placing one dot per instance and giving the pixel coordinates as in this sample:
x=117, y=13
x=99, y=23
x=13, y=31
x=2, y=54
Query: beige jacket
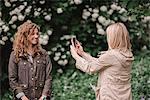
x=114, y=69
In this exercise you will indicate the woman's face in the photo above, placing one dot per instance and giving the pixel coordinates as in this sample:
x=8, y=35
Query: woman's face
x=33, y=37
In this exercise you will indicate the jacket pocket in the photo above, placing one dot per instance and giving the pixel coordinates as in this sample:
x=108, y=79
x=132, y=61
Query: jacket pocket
x=39, y=89
x=24, y=88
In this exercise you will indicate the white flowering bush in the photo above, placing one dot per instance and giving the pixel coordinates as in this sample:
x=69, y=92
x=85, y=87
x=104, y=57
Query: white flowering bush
x=87, y=20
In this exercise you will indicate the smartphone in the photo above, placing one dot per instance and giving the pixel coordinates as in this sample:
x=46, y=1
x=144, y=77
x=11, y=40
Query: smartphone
x=74, y=41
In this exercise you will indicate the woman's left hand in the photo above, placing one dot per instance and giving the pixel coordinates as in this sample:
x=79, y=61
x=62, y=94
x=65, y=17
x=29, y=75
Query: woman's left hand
x=73, y=51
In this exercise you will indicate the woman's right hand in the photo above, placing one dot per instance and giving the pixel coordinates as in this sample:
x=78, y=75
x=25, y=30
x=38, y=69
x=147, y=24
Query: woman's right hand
x=24, y=98
x=79, y=48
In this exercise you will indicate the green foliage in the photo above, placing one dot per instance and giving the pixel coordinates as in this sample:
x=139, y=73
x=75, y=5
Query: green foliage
x=141, y=77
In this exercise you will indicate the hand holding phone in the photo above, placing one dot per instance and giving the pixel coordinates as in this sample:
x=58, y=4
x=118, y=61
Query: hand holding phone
x=74, y=41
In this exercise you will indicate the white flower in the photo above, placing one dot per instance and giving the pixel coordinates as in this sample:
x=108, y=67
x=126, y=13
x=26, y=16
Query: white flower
x=27, y=10
x=47, y=17
x=11, y=39
x=54, y=49
x=95, y=10
x=49, y=32
x=68, y=52
x=44, y=42
x=65, y=62
x=66, y=37
x=107, y=22
x=114, y=7
x=4, y=38
x=17, y=11
x=0, y=30
x=58, y=54
x=110, y=12
x=118, y=8
x=124, y=19
x=84, y=17
x=14, y=18
x=86, y=13
x=36, y=13
x=25, y=3
x=90, y=9
x=14, y=26
x=0, y=14
x=46, y=37
x=21, y=7
x=144, y=47
x=62, y=49
x=49, y=52
x=6, y=29
x=71, y=2
x=101, y=19
x=115, y=18
x=7, y=4
x=2, y=42
x=101, y=31
x=63, y=56
x=98, y=25
x=149, y=26
x=95, y=15
x=56, y=58
x=77, y=1
x=103, y=8
x=3, y=26
x=130, y=18
x=10, y=22
x=60, y=62
x=122, y=10
x=93, y=19
x=87, y=6
x=59, y=10
x=49, y=9
x=42, y=1
x=67, y=43
x=60, y=71
x=44, y=13
x=12, y=1
x=147, y=18
x=21, y=17
x=1, y=22
x=39, y=9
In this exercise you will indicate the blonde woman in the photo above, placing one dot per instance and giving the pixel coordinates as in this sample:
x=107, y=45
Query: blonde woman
x=113, y=66
x=29, y=65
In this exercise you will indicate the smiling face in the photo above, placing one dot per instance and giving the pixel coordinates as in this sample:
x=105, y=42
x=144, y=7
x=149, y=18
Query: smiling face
x=33, y=37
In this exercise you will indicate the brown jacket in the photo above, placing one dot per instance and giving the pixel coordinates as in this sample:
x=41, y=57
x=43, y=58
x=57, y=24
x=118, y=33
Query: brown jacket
x=114, y=69
x=33, y=78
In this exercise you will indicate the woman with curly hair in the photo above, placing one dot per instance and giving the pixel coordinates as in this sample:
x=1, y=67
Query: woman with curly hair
x=29, y=65
x=113, y=65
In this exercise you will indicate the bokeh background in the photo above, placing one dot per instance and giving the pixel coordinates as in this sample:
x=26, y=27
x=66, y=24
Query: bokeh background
x=59, y=21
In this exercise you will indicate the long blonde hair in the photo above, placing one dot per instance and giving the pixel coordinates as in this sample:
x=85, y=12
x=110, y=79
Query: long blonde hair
x=20, y=44
x=118, y=37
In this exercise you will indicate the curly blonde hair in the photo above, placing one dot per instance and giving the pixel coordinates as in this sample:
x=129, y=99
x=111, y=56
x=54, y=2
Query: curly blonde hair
x=20, y=44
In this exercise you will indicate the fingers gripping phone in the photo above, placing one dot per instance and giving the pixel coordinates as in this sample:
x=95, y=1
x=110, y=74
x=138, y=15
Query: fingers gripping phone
x=74, y=41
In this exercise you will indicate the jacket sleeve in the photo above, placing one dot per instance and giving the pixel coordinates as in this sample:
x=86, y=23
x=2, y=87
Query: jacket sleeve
x=48, y=82
x=13, y=75
x=90, y=64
